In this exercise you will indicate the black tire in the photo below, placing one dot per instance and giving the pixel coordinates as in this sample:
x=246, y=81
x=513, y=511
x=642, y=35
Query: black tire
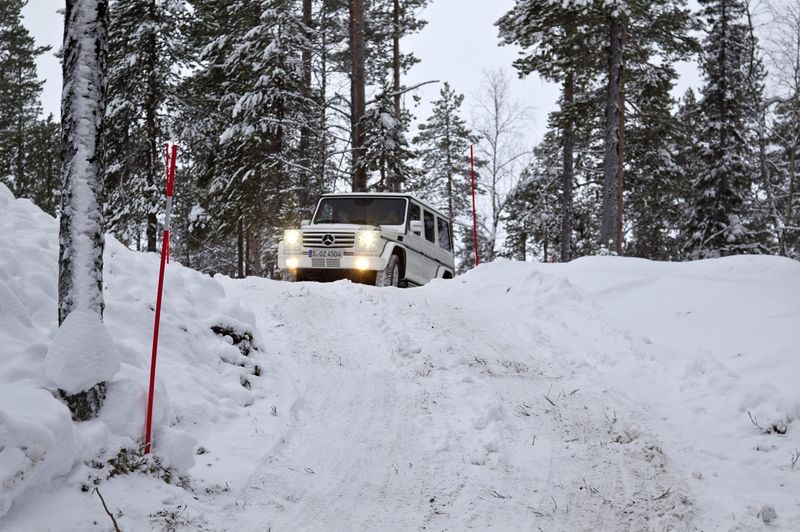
x=389, y=276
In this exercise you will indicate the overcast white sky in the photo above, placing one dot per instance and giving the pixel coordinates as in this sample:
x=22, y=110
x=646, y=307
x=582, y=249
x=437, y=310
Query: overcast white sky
x=459, y=42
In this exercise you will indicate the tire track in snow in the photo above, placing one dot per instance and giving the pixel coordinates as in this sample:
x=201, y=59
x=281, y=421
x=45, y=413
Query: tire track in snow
x=417, y=425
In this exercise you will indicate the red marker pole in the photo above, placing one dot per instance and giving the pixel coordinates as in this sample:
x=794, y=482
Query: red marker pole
x=170, y=161
x=474, y=212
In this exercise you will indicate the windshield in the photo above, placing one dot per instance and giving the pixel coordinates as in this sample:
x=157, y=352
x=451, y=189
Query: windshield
x=361, y=211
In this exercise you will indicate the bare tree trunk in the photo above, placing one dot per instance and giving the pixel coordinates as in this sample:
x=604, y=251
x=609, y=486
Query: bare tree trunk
x=610, y=161
x=240, y=247
x=358, y=90
x=394, y=172
x=150, y=126
x=305, y=133
x=620, y=161
x=568, y=176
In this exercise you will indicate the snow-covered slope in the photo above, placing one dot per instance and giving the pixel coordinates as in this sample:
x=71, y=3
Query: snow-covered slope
x=604, y=394
x=209, y=395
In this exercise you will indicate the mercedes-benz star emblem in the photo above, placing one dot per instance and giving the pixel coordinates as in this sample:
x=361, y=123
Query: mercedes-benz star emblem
x=328, y=240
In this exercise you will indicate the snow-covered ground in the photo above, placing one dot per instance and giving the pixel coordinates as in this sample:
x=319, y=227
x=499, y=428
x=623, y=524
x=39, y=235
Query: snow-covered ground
x=604, y=394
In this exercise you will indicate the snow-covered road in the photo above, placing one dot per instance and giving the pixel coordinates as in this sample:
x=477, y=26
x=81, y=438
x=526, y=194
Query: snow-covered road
x=439, y=410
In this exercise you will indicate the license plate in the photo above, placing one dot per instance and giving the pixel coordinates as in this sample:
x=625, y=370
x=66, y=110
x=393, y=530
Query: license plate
x=327, y=253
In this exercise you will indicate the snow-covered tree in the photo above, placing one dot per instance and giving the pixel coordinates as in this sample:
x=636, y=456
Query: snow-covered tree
x=555, y=46
x=444, y=140
x=723, y=189
x=146, y=53
x=653, y=200
x=20, y=89
x=81, y=357
x=387, y=150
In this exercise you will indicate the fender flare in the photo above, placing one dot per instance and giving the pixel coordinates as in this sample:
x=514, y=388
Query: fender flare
x=392, y=248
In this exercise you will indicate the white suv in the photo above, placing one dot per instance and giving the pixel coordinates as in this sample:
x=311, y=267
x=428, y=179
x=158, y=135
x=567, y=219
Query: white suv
x=381, y=238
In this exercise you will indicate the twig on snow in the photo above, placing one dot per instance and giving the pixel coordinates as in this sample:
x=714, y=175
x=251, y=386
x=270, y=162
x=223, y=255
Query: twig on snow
x=114, y=521
x=663, y=495
x=754, y=421
x=546, y=396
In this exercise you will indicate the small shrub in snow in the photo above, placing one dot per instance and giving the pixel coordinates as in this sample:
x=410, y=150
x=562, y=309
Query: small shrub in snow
x=237, y=334
x=128, y=461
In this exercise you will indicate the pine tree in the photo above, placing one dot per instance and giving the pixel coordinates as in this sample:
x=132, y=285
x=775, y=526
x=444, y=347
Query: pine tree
x=532, y=218
x=20, y=89
x=719, y=225
x=80, y=259
x=653, y=175
x=387, y=150
x=43, y=169
x=358, y=101
x=555, y=46
x=637, y=31
x=146, y=53
x=255, y=129
x=444, y=140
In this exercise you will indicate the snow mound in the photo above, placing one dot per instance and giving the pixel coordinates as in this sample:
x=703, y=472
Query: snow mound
x=82, y=354
x=48, y=462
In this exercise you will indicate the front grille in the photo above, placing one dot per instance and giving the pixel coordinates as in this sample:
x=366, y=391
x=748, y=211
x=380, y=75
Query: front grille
x=318, y=262
x=340, y=240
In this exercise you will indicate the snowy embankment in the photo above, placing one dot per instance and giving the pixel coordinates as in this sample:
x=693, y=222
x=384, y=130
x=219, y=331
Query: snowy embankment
x=604, y=394
x=209, y=396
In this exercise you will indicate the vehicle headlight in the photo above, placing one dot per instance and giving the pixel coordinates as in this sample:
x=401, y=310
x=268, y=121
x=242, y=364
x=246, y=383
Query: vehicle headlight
x=367, y=239
x=291, y=237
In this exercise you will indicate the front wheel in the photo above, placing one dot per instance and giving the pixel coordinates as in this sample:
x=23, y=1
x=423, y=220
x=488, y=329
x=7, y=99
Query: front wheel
x=390, y=275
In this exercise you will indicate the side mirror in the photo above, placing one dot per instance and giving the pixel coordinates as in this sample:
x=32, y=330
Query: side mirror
x=416, y=226
x=305, y=223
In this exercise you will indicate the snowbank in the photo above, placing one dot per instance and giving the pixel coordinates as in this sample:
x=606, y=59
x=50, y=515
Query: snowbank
x=709, y=349
x=603, y=394
x=206, y=389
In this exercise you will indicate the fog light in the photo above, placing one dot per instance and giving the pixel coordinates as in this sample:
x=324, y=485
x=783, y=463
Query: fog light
x=292, y=263
x=362, y=263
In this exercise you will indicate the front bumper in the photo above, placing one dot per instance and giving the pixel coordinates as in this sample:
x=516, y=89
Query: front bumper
x=300, y=260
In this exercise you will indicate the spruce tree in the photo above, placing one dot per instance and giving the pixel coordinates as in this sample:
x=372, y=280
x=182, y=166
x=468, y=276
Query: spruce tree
x=146, y=53
x=637, y=31
x=43, y=169
x=268, y=116
x=556, y=47
x=719, y=225
x=444, y=140
x=653, y=176
x=387, y=149
x=20, y=108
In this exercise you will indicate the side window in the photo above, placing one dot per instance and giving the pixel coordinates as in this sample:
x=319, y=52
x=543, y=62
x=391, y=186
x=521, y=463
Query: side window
x=430, y=229
x=414, y=213
x=443, y=229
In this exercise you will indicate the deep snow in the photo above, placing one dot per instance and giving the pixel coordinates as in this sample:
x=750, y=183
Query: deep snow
x=604, y=394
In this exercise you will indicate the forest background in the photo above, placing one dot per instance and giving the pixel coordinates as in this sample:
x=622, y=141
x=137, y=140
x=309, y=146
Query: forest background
x=266, y=99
